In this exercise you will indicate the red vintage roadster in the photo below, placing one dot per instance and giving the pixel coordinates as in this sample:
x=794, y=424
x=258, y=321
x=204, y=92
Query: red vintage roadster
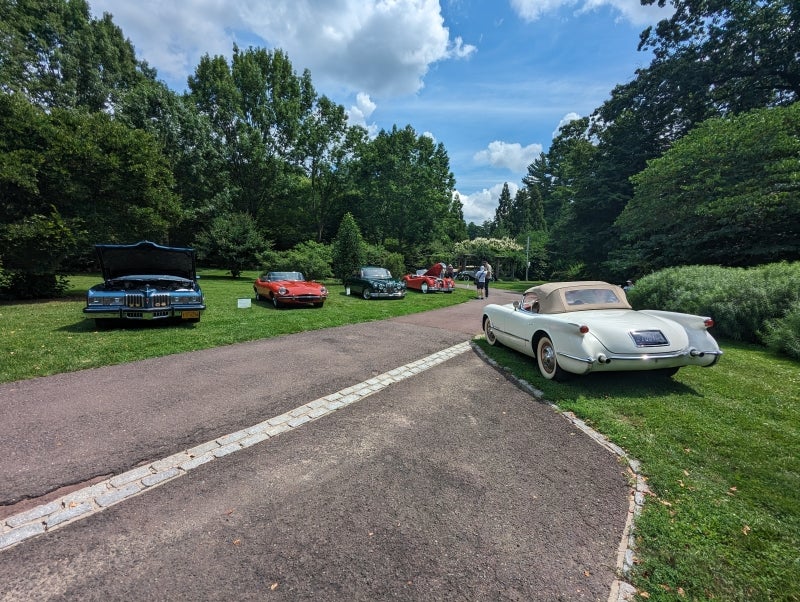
x=290, y=289
x=432, y=280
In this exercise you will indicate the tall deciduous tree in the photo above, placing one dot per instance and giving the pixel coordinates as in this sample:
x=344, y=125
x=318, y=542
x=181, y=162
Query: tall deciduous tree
x=326, y=143
x=404, y=195
x=282, y=144
x=186, y=137
x=89, y=167
x=743, y=52
x=727, y=193
x=57, y=55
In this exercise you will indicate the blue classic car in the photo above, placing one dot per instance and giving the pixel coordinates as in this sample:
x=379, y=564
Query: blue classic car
x=375, y=283
x=145, y=281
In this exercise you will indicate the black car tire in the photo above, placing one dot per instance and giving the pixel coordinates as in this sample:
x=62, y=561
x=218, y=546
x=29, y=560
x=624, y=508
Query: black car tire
x=275, y=302
x=367, y=293
x=547, y=360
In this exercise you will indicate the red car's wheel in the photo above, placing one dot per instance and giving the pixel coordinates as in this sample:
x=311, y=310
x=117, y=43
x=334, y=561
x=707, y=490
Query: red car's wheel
x=424, y=287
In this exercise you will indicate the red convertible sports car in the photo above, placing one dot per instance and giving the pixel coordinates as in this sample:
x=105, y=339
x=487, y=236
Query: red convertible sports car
x=432, y=280
x=289, y=288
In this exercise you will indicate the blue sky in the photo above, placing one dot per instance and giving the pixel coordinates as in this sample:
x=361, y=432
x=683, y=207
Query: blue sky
x=490, y=79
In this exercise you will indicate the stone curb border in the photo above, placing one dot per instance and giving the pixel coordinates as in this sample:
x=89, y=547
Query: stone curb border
x=95, y=498
x=621, y=591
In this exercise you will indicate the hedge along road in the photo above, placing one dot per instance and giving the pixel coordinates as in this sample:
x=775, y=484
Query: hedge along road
x=375, y=468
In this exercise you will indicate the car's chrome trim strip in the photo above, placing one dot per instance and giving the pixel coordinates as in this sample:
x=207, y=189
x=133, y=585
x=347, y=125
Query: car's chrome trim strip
x=643, y=357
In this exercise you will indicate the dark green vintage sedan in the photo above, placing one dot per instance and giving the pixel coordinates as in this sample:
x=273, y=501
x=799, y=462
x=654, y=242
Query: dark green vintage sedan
x=374, y=283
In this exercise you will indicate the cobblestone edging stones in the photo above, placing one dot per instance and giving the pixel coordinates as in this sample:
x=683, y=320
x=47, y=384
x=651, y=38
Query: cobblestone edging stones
x=621, y=591
x=95, y=498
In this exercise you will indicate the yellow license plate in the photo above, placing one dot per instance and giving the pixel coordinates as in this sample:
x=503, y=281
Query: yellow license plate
x=188, y=315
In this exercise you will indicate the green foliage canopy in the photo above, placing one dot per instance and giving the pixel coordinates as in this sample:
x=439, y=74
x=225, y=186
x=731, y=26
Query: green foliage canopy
x=727, y=193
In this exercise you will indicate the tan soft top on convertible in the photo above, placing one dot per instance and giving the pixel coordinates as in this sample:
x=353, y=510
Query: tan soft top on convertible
x=563, y=297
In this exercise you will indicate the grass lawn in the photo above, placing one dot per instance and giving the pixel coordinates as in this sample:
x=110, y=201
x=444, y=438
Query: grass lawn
x=720, y=447
x=48, y=337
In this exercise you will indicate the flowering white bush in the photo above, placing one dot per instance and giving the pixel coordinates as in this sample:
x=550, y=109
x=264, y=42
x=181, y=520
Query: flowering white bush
x=488, y=247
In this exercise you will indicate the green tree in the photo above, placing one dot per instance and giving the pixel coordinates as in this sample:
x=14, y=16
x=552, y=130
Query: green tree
x=283, y=146
x=33, y=250
x=311, y=258
x=56, y=55
x=232, y=241
x=89, y=167
x=405, y=191
x=347, y=253
x=502, y=215
x=326, y=143
x=540, y=181
x=502, y=253
x=728, y=193
x=188, y=144
x=736, y=55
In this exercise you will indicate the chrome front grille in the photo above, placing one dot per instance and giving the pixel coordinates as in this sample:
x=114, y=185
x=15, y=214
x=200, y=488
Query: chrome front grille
x=160, y=300
x=139, y=300
x=134, y=299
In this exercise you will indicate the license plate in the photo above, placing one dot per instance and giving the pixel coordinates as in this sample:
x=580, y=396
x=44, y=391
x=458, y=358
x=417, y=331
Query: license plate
x=188, y=315
x=649, y=338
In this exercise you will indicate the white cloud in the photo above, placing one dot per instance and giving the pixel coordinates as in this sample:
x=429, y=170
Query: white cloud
x=361, y=111
x=382, y=47
x=481, y=206
x=512, y=156
x=569, y=117
x=630, y=10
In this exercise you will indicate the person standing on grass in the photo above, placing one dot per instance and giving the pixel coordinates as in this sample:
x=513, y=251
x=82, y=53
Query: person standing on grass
x=487, y=267
x=480, y=281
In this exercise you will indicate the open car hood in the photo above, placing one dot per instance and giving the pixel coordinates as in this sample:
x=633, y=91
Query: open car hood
x=435, y=270
x=145, y=258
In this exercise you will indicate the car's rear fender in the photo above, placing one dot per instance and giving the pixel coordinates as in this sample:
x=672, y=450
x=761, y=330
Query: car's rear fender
x=696, y=328
x=570, y=344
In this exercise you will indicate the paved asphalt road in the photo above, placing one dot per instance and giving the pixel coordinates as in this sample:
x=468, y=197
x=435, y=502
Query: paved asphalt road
x=448, y=483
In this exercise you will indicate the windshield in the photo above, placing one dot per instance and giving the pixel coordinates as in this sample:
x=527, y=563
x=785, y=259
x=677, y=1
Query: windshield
x=530, y=302
x=376, y=273
x=296, y=276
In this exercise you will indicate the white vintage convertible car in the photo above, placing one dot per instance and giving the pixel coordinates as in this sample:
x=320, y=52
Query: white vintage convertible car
x=582, y=327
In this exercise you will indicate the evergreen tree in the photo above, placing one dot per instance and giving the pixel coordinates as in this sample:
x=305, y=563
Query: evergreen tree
x=502, y=214
x=348, y=248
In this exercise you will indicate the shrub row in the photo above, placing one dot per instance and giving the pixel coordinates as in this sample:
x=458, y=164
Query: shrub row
x=759, y=304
